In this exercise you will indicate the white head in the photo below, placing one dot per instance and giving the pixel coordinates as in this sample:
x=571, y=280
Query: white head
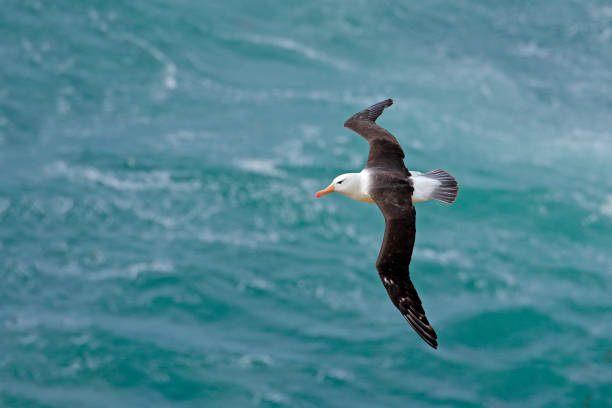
x=349, y=184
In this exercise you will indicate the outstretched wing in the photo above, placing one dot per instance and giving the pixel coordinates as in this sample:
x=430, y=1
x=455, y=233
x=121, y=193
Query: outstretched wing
x=385, y=151
x=394, y=200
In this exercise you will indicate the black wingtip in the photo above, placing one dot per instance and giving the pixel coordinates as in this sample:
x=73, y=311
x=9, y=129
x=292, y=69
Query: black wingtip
x=375, y=110
x=369, y=114
x=432, y=344
x=386, y=103
x=423, y=329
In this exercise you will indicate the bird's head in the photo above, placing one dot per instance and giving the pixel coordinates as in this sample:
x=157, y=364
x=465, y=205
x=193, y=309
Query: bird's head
x=344, y=183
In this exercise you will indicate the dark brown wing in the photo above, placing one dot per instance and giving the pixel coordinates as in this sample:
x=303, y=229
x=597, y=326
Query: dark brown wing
x=385, y=151
x=395, y=202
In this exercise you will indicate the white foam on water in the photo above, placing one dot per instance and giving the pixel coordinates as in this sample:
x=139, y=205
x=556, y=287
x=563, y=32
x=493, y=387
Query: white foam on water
x=583, y=200
x=250, y=360
x=170, y=77
x=165, y=221
x=187, y=137
x=292, y=151
x=311, y=132
x=273, y=396
x=260, y=166
x=160, y=213
x=97, y=20
x=256, y=283
x=294, y=46
x=29, y=339
x=28, y=319
x=61, y=205
x=605, y=35
x=606, y=207
x=32, y=51
x=169, y=65
x=531, y=49
x=5, y=204
x=583, y=141
x=335, y=374
x=237, y=95
x=133, y=181
x=340, y=374
x=450, y=257
x=156, y=266
x=238, y=238
x=258, y=96
x=343, y=300
x=134, y=270
x=62, y=106
x=21, y=321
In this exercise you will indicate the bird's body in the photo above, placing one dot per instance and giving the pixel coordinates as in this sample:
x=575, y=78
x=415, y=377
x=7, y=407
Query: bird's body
x=357, y=185
x=386, y=182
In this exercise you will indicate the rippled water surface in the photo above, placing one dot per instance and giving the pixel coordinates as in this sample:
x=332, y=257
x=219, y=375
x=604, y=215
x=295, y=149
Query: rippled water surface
x=160, y=244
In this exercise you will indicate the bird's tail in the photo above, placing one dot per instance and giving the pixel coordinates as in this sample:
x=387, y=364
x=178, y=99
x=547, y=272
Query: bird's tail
x=448, y=189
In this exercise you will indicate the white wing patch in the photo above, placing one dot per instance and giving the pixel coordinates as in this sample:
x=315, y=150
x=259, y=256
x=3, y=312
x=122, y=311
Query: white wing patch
x=423, y=186
x=434, y=185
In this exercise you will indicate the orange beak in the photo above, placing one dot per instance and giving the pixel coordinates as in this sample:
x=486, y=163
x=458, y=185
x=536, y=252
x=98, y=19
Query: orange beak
x=327, y=190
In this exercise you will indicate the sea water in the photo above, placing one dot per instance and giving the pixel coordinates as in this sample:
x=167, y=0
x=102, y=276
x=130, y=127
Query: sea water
x=161, y=246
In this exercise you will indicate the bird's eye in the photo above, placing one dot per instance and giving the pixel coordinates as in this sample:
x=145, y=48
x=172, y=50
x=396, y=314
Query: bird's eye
x=340, y=182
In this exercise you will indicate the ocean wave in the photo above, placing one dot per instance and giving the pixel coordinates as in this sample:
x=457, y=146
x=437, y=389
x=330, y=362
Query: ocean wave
x=256, y=283
x=250, y=239
x=165, y=220
x=273, y=396
x=5, y=204
x=188, y=137
x=289, y=44
x=340, y=300
x=260, y=166
x=531, y=49
x=337, y=374
x=158, y=55
x=258, y=96
x=251, y=360
x=292, y=151
x=450, y=257
x=583, y=141
x=135, y=181
x=134, y=270
x=606, y=207
x=26, y=320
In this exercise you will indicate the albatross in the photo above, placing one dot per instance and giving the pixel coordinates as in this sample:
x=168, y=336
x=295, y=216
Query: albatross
x=387, y=182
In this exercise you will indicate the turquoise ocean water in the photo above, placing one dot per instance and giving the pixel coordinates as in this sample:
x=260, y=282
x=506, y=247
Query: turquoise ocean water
x=160, y=244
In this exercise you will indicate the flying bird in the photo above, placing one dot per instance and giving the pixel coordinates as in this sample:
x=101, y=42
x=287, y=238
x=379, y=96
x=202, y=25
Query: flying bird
x=387, y=182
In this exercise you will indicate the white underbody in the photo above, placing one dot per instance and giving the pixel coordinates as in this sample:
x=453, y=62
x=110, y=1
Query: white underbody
x=357, y=186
